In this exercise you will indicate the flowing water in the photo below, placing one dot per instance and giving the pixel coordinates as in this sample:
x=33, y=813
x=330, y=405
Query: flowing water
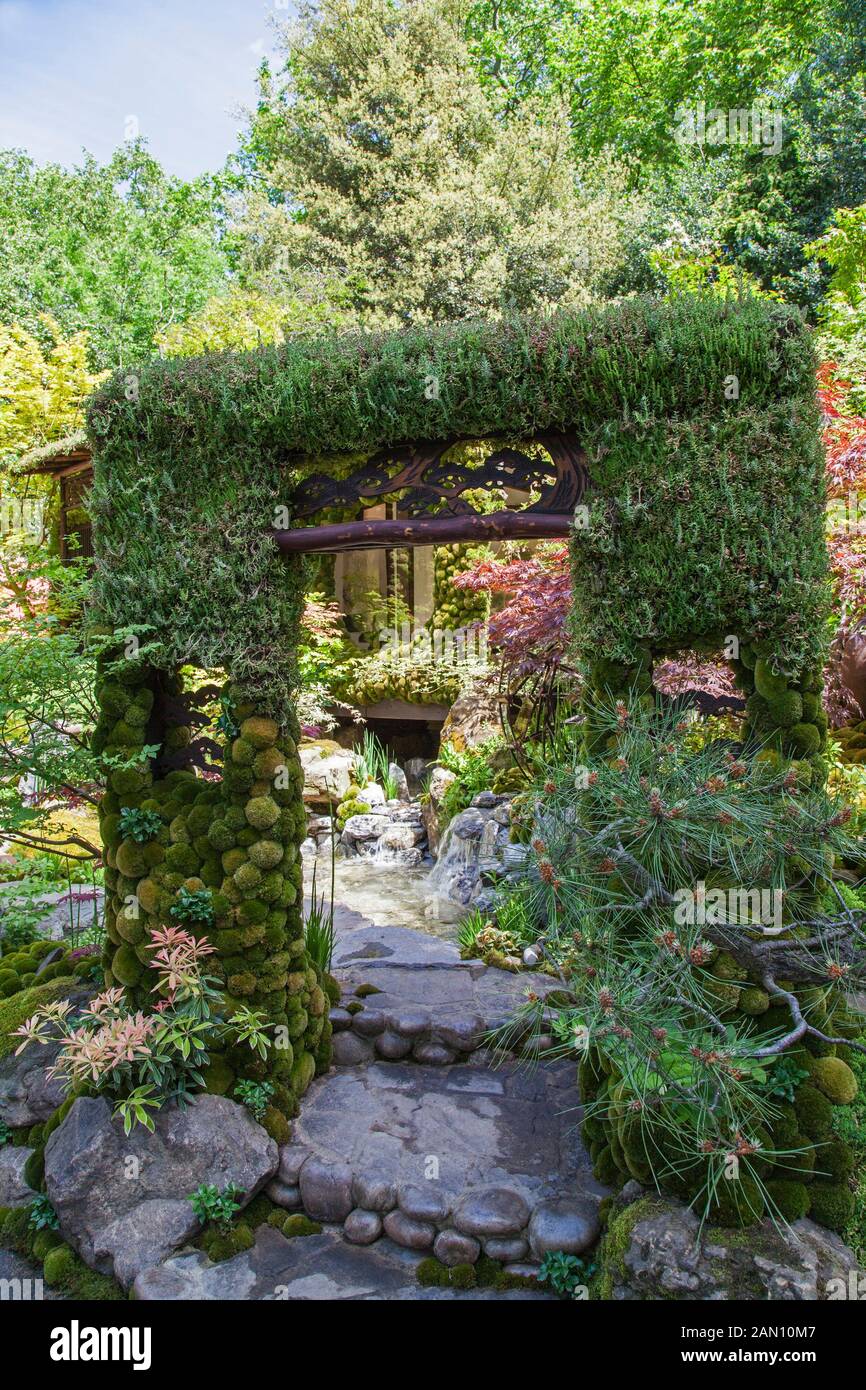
x=390, y=895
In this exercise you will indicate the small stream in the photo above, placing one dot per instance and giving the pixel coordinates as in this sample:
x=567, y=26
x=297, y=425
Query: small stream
x=391, y=895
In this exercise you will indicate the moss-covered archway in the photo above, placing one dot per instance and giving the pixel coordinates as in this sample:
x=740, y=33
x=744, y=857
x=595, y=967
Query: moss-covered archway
x=698, y=424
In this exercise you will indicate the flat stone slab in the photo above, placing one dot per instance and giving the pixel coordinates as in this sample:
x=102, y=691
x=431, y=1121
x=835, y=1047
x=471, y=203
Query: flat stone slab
x=360, y=941
x=308, y=1268
x=494, y=1154
x=441, y=1014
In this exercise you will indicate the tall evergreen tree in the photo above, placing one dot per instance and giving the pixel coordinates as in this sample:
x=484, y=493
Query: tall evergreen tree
x=379, y=159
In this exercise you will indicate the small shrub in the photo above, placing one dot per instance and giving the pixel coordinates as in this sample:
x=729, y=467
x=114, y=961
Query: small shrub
x=42, y=1217
x=139, y=825
x=564, y=1274
x=212, y=1206
x=256, y=1096
x=193, y=906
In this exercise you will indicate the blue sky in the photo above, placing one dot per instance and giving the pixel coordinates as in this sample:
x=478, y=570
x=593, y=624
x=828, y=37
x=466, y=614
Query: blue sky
x=76, y=74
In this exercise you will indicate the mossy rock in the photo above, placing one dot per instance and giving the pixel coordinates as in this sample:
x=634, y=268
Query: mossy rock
x=834, y=1078
x=831, y=1205
x=15, y=1010
x=789, y=1199
x=767, y=682
x=299, y=1225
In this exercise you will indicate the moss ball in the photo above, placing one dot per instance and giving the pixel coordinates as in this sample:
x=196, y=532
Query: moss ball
x=260, y=731
x=430, y=1273
x=266, y=854
x=754, y=1001
x=789, y=1199
x=803, y=740
x=300, y=1225
x=220, y=835
x=248, y=877
x=834, y=1078
x=126, y=967
x=268, y=763
x=130, y=860
x=58, y=1266
x=767, y=682
x=262, y=812
x=831, y=1205
x=814, y=1112
x=182, y=859
x=786, y=709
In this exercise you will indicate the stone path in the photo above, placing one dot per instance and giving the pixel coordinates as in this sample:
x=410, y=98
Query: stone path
x=456, y=1160
x=428, y=1003
x=308, y=1268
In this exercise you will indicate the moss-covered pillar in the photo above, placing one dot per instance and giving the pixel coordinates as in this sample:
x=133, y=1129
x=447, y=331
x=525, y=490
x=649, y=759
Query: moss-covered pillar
x=220, y=858
x=254, y=838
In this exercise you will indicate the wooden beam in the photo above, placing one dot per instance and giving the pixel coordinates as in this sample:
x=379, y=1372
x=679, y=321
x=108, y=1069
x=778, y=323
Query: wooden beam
x=428, y=530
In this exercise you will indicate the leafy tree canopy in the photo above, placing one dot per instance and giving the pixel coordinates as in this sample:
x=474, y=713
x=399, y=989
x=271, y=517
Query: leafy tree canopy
x=121, y=250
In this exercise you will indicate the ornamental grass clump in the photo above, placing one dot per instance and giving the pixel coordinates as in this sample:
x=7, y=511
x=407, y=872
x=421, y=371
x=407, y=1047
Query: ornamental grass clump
x=143, y=1060
x=705, y=953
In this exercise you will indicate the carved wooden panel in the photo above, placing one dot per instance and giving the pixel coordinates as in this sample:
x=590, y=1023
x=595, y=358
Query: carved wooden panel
x=430, y=486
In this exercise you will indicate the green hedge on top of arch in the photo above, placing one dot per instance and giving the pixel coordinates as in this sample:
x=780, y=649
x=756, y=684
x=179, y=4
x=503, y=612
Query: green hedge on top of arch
x=192, y=456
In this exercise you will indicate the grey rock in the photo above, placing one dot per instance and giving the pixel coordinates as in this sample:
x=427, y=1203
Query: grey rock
x=432, y=1053
x=452, y=1248
x=28, y=1096
x=474, y=717
x=348, y=1050
x=568, y=1224
x=328, y=771
x=507, y=1251
x=461, y=1034
x=400, y=780
x=494, y=1211
x=405, y=836
x=374, y=1192
x=362, y=1227
x=364, y=827
x=141, y=1237
x=511, y=1129
x=526, y=1271
x=414, y=1235
x=122, y=1199
x=665, y=1256
x=326, y=1190
x=341, y=1020
x=411, y=1025
x=292, y=1159
x=14, y=1191
x=369, y=1024
x=392, y=1046
x=424, y=1202
x=285, y=1194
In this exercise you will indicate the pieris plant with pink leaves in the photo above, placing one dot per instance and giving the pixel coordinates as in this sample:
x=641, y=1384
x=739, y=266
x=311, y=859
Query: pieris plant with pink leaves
x=143, y=1060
